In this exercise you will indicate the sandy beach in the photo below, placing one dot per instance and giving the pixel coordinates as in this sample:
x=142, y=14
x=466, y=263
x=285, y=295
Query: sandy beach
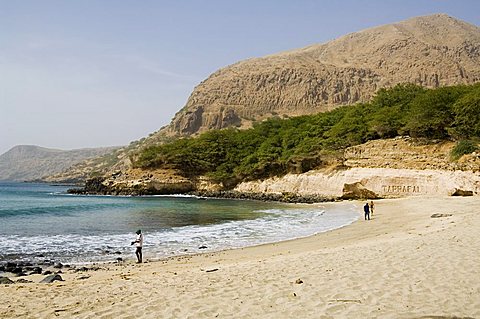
x=402, y=264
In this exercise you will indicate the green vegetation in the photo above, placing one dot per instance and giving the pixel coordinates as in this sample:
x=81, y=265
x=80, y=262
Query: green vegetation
x=277, y=146
x=463, y=147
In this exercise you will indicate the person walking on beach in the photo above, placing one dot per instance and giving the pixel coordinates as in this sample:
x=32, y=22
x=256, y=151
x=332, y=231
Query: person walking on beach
x=139, y=244
x=371, y=207
x=366, y=209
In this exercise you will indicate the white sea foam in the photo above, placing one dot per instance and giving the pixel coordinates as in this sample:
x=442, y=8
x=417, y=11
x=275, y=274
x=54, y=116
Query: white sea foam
x=274, y=225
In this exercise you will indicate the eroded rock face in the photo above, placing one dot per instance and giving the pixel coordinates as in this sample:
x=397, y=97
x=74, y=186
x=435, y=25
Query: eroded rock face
x=408, y=153
x=383, y=182
x=396, y=167
x=431, y=51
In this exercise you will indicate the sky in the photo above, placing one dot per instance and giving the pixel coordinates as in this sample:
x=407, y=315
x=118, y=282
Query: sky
x=76, y=74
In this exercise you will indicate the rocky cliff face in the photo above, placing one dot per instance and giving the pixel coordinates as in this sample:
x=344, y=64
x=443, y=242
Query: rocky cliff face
x=431, y=51
x=29, y=162
x=384, y=168
x=409, y=153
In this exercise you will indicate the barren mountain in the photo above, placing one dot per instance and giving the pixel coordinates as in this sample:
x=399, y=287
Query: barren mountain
x=431, y=51
x=29, y=162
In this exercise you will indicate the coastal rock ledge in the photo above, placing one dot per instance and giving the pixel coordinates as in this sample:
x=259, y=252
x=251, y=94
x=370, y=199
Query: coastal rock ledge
x=398, y=167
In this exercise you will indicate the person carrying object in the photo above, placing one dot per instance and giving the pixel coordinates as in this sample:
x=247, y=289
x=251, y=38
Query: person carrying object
x=139, y=244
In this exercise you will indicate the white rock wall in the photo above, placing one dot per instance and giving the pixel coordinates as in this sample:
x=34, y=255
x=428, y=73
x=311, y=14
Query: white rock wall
x=386, y=182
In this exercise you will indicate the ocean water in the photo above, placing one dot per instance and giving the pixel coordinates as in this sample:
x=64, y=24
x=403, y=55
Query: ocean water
x=39, y=222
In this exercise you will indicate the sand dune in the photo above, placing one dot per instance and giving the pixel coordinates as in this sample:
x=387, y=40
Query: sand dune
x=401, y=264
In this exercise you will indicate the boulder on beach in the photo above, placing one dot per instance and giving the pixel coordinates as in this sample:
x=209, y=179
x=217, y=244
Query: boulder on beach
x=10, y=267
x=23, y=281
x=17, y=270
x=461, y=192
x=36, y=270
x=357, y=191
x=51, y=278
x=5, y=281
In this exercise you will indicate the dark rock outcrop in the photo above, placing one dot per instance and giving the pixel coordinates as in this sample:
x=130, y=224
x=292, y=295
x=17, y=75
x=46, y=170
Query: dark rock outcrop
x=5, y=281
x=36, y=270
x=461, y=192
x=137, y=183
x=270, y=197
x=51, y=278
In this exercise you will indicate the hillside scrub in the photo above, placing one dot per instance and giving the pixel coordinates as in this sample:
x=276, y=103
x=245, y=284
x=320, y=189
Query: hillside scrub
x=278, y=146
x=463, y=147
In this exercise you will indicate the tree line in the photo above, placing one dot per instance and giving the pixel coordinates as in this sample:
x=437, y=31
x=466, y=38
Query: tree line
x=277, y=146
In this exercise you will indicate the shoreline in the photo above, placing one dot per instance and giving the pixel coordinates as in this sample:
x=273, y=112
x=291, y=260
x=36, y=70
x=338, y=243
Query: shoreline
x=47, y=261
x=404, y=263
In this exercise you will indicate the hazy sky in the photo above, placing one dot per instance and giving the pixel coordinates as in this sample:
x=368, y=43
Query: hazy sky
x=85, y=73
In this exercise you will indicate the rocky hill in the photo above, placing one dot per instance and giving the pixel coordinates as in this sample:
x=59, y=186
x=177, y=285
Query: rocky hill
x=29, y=162
x=431, y=51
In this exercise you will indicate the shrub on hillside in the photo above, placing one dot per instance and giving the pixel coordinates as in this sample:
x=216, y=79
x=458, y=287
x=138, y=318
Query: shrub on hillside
x=463, y=147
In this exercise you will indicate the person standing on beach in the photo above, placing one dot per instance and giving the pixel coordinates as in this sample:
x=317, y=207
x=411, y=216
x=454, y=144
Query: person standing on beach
x=139, y=244
x=366, y=209
x=371, y=207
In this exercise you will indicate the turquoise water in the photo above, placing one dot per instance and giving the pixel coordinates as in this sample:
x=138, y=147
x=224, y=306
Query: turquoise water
x=39, y=221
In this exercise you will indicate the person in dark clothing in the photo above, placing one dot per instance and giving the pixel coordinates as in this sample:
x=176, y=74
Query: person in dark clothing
x=366, y=208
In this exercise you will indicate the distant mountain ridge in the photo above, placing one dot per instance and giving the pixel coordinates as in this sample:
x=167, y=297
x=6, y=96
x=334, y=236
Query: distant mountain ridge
x=30, y=162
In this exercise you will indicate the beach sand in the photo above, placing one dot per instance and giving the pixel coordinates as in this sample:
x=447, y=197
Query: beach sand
x=401, y=264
